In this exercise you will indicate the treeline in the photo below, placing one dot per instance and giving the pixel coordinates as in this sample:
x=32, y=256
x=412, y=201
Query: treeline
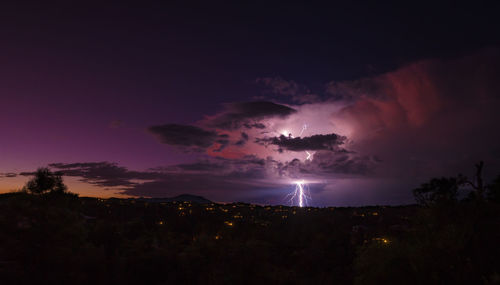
x=453, y=237
x=51, y=236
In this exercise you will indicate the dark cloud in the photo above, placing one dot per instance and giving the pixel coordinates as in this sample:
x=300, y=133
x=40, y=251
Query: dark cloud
x=8, y=175
x=243, y=140
x=329, y=164
x=315, y=142
x=245, y=114
x=104, y=174
x=189, y=136
x=217, y=165
x=211, y=177
x=344, y=163
x=248, y=178
x=254, y=125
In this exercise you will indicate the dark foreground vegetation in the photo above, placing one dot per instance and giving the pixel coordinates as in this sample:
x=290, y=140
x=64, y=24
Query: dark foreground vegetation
x=51, y=236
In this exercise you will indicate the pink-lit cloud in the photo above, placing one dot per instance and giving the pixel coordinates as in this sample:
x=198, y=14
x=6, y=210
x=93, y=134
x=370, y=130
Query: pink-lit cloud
x=376, y=137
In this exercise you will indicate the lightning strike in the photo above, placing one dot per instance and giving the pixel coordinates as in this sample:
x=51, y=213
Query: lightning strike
x=300, y=194
x=308, y=155
x=287, y=133
x=304, y=127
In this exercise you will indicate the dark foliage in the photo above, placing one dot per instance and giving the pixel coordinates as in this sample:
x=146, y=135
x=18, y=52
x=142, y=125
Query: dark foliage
x=59, y=238
x=68, y=240
x=44, y=182
x=444, y=191
x=438, y=191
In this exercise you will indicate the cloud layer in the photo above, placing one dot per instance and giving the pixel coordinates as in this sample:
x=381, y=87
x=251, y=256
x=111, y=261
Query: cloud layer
x=315, y=142
x=375, y=137
x=247, y=114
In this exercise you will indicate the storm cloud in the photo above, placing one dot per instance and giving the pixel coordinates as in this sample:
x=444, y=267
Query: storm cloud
x=326, y=165
x=375, y=137
x=314, y=142
x=396, y=129
x=247, y=114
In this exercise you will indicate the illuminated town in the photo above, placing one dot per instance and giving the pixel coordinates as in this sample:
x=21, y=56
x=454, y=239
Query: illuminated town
x=249, y=142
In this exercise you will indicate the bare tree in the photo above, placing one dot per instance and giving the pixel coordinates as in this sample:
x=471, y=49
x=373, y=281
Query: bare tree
x=477, y=183
x=445, y=190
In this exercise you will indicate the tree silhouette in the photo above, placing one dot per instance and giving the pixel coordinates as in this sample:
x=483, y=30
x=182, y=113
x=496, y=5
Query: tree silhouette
x=477, y=182
x=438, y=191
x=45, y=181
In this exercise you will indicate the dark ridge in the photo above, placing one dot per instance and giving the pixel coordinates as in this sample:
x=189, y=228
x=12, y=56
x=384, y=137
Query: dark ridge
x=180, y=198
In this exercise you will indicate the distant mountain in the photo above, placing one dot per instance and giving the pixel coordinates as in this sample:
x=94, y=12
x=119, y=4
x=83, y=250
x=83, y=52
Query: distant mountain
x=180, y=198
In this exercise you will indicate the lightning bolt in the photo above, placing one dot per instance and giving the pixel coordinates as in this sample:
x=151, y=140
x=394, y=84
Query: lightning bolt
x=308, y=155
x=304, y=127
x=300, y=193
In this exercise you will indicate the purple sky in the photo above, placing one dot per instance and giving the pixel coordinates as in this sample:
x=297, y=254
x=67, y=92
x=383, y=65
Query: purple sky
x=228, y=102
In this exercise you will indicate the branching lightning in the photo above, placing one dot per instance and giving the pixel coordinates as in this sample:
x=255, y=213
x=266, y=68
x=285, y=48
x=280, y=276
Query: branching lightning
x=309, y=155
x=301, y=194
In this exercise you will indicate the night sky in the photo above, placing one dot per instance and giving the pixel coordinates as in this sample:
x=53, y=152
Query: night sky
x=237, y=101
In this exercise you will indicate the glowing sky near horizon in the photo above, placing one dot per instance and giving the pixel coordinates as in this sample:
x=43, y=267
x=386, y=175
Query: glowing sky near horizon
x=136, y=100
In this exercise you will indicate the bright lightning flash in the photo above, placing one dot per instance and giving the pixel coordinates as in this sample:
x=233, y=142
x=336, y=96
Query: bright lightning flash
x=300, y=193
x=308, y=155
x=286, y=133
